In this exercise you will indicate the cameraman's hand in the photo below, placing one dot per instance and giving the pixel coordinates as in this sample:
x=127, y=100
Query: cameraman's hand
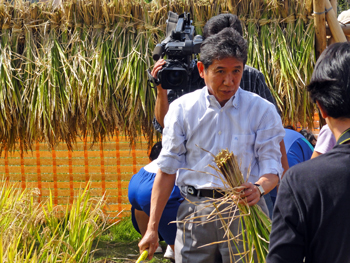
x=158, y=66
x=162, y=104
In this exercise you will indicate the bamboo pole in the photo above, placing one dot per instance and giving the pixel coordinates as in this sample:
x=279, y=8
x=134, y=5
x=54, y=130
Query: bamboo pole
x=335, y=6
x=344, y=28
x=320, y=26
x=333, y=23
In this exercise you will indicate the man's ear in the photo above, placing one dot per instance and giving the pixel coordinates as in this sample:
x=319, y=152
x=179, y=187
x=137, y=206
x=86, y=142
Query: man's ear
x=201, y=69
x=322, y=110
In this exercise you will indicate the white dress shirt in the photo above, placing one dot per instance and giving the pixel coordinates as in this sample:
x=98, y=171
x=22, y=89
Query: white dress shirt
x=247, y=125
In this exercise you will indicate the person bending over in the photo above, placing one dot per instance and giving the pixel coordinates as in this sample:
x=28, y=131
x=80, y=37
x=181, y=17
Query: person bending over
x=139, y=193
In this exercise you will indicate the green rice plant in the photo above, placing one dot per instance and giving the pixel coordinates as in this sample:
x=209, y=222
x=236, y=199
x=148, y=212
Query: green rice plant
x=41, y=232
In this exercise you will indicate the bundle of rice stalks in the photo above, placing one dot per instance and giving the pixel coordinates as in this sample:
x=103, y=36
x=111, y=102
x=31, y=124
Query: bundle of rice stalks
x=247, y=239
x=256, y=225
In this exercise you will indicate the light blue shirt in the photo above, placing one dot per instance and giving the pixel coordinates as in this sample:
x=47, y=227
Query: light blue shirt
x=247, y=125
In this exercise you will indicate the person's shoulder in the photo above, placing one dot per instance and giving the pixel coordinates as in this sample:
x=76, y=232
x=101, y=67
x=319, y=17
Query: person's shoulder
x=251, y=71
x=253, y=98
x=189, y=100
x=189, y=97
x=325, y=129
x=325, y=140
x=322, y=166
x=152, y=167
x=292, y=135
x=302, y=175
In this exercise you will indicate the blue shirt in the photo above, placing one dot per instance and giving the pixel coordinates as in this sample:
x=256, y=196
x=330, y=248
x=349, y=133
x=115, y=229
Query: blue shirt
x=298, y=150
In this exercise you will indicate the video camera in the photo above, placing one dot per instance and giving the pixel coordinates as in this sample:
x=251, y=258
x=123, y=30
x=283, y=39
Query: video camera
x=180, y=47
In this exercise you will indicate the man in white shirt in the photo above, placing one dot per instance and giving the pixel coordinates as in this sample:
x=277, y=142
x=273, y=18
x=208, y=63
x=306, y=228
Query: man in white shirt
x=219, y=116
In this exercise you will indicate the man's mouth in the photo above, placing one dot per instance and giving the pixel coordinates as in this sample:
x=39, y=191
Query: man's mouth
x=227, y=91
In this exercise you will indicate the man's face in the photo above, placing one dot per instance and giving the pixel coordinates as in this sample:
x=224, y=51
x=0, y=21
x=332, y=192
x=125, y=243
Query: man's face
x=222, y=77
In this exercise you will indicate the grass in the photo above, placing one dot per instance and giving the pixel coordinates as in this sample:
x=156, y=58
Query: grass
x=33, y=231
x=39, y=232
x=119, y=244
x=122, y=232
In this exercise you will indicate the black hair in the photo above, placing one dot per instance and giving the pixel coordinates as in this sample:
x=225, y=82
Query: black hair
x=309, y=136
x=155, y=151
x=227, y=43
x=330, y=81
x=217, y=23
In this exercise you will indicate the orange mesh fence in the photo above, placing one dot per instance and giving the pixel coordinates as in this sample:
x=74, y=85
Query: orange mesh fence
x=108, y=165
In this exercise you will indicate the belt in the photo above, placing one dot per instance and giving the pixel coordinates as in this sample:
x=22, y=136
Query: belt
x=204, y=192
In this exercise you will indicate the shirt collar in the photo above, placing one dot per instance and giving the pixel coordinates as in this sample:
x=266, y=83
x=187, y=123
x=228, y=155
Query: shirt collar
x=210, y=99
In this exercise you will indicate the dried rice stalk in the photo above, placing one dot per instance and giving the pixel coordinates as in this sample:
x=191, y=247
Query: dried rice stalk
x=256, y=223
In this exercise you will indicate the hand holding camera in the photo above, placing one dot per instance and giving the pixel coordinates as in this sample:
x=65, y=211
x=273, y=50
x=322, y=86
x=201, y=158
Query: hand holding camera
x=181, y=47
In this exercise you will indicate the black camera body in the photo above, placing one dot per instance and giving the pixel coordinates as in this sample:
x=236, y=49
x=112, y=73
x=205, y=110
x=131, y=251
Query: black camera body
x=180, y=47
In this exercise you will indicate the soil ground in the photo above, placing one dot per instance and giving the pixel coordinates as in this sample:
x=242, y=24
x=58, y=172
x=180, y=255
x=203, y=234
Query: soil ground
x=109, y=252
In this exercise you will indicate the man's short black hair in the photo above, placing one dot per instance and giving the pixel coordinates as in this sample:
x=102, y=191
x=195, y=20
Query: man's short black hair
x=330, y=81
x=227, y=43
x=155, y=151
x=217, y=23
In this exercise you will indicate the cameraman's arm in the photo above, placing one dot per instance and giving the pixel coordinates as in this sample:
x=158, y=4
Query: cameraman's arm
x=162, y=104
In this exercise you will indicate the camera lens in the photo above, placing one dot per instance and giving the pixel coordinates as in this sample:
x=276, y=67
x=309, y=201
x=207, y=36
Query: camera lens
x=175, y=78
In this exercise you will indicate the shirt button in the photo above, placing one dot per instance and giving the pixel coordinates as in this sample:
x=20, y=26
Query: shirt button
x=219, y=132
x=221, y=110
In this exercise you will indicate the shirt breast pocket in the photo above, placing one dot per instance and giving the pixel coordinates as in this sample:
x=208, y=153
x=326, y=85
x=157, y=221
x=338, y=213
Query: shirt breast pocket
x=243, y=147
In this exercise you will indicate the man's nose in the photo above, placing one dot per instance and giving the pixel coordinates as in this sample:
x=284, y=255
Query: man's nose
x=228, y=79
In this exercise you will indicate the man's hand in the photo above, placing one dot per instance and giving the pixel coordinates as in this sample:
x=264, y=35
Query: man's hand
x=162, y=187
x=150, y=242
x=251, y=194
